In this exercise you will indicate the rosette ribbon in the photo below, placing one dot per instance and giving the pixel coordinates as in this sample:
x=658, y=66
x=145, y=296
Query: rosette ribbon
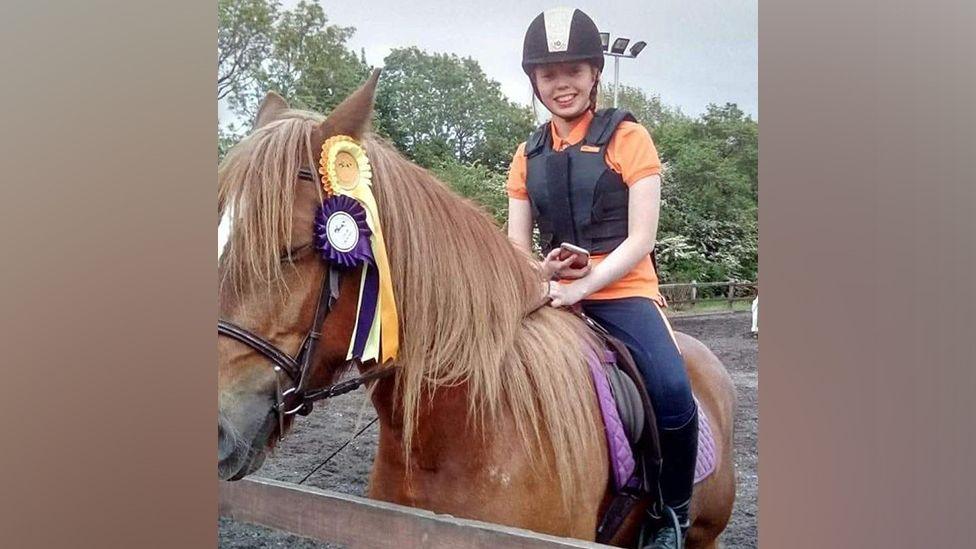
x=346, y=178
x=349, y=246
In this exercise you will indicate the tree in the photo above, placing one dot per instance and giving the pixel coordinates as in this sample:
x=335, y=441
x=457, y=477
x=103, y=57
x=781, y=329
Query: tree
x=710, y=193
x=295, y=53
x=648, y=109
x=708, y=228
x=478, y=183
x=738, y=138
x=226, y=138
x=244, y=29
x=439, y=106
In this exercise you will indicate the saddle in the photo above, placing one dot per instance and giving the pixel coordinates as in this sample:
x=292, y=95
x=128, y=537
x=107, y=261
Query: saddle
x=637, y=478
x=631, y=427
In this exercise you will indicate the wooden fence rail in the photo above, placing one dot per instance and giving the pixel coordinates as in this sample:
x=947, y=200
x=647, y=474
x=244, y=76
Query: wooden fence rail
x=358, y=522
x=689, y=293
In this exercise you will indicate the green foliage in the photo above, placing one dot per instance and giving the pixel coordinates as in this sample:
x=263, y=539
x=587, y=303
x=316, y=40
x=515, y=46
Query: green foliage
x=294, y=52
x=439, y=106
x=648, y=109
x=710, y=194
x=244, y=32
x=478, y=183
x=226, y=138
x=709, y=197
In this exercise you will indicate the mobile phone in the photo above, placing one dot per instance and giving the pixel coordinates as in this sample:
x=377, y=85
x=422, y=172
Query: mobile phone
x=582, y=255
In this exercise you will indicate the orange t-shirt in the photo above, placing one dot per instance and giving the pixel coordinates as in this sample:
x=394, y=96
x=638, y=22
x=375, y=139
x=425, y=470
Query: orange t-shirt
x=632, y=154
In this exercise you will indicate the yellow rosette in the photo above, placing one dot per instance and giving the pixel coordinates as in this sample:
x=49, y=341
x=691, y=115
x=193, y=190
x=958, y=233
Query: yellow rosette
x=346, y=170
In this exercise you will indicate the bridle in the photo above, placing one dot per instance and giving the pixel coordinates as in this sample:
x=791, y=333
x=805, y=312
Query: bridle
x=298, y=398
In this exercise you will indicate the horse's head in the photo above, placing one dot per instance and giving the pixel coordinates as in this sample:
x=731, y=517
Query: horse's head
x=271, y=275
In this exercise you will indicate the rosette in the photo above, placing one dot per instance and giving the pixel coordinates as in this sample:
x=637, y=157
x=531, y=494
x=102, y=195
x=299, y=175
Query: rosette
x=343, y=165
x=346, y=173
x=342, y=234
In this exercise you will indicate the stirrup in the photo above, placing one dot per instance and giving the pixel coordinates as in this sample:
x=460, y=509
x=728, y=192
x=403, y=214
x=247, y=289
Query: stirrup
x=669, y=516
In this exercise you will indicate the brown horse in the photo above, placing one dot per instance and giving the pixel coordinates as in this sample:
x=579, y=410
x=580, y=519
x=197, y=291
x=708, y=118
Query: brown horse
x=491, y=413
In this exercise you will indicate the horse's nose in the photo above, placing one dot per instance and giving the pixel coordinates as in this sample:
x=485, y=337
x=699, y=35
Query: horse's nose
x=225, y=442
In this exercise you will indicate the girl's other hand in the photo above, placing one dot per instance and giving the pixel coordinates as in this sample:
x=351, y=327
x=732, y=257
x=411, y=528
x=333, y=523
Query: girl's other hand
x=564, y=295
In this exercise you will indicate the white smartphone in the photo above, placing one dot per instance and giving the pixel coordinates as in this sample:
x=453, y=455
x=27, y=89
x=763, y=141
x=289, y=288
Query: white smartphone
x=582, y=255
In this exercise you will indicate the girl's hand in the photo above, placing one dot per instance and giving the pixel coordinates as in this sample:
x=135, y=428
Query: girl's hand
x=553, y=265
x=564, y=295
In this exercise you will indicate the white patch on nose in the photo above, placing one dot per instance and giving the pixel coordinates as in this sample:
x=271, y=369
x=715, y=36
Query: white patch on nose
x=558, y=22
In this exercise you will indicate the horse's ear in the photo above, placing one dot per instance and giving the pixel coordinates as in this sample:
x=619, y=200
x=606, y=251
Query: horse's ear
x=352, y=117
x=272, y=106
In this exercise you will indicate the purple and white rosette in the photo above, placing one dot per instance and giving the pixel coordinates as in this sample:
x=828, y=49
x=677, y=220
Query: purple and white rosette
x=342, y=235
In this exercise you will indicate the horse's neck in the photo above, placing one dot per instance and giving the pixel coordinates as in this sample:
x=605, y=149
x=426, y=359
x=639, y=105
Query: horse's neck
x=441, y=420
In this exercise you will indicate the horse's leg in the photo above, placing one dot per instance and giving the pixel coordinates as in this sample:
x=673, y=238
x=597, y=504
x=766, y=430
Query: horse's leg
x=713, y=500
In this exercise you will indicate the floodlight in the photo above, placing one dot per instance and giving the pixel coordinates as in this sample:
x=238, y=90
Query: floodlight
x=619, y=45
x=605, y=40
x=637, y=48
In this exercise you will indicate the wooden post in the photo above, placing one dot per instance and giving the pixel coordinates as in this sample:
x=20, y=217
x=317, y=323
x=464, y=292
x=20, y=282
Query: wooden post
x=694, y=292
x=731, y=294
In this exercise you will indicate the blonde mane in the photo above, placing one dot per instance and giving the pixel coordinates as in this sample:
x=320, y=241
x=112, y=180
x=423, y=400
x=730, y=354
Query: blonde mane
x=462, y=291
x=256, y=189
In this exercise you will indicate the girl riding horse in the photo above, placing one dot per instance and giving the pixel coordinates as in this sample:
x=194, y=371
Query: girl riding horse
x=488, y=410
x=591, y=178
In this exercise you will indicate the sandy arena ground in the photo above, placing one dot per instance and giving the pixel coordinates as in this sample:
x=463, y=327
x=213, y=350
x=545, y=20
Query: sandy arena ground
x=319, y=434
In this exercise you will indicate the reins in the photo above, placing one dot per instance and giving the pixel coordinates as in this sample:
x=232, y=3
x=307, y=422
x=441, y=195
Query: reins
x=336, y=452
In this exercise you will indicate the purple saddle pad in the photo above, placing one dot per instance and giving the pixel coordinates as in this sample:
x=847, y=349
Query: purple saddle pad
x=622, y=462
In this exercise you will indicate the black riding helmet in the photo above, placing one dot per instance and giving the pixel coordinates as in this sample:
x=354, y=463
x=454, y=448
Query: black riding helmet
x=561, y=34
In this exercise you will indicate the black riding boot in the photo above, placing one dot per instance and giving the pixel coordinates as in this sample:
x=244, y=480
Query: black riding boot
x=679, y=450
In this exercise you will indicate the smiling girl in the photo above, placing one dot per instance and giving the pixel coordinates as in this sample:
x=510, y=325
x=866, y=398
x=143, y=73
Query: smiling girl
x=591, y=178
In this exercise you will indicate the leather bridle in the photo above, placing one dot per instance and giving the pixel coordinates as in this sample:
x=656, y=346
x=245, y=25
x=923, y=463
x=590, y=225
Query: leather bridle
x=298, y=398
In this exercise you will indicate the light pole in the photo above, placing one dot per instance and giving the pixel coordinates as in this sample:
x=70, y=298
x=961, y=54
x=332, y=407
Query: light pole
x=617, y=51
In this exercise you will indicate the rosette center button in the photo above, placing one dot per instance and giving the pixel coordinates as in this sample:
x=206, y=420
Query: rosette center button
x=342, y=231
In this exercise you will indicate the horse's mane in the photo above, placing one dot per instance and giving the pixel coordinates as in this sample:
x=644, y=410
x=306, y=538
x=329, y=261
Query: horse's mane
x=256, y=189
x=462, y=291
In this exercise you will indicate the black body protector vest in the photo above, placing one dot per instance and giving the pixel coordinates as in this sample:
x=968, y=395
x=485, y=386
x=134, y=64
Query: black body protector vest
x=575, y=196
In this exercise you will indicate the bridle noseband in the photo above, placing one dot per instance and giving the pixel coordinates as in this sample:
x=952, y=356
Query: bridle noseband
x=298, y=399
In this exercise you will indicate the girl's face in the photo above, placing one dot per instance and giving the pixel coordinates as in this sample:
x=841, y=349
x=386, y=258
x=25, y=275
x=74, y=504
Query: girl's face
x=565, y=87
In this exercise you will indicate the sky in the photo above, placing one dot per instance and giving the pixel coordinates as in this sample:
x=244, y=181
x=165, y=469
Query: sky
x=698, y=51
